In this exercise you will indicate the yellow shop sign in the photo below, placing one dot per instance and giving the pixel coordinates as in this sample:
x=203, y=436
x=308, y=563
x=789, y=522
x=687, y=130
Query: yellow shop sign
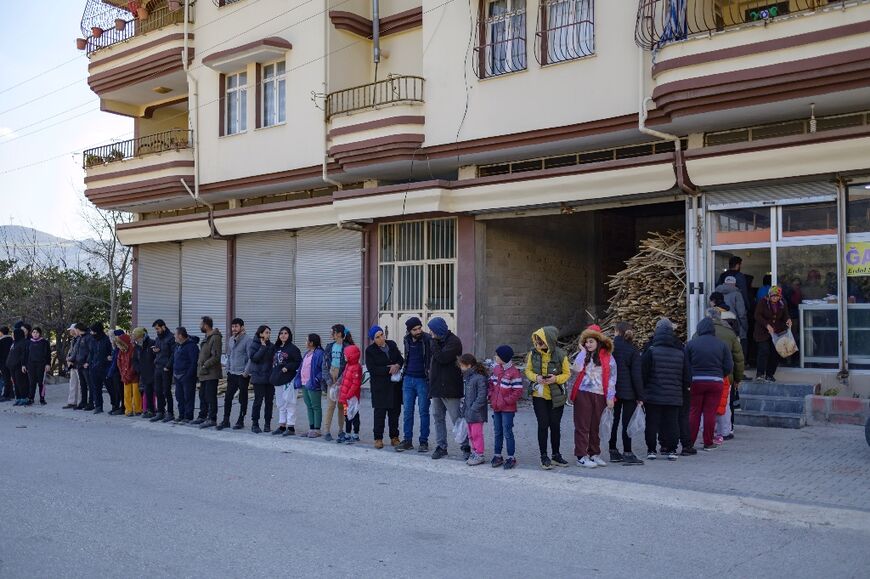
x=858, y=259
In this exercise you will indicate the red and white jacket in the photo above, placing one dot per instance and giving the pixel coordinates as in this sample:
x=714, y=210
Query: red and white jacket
x=505, y=388
x=351, y=379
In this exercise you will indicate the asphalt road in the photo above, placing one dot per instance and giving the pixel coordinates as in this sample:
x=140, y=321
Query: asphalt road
x=97, y=497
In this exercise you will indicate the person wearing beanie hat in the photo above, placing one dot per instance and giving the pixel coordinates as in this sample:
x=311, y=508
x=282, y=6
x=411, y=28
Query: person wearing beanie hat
x=143, y=360
x=664, y=324
x=373, y=331
x=771, y=318
x=504, y=391
x=384, y=363
x=99, y=357
x=737, y=305
x=415, y=386
x=446, y=387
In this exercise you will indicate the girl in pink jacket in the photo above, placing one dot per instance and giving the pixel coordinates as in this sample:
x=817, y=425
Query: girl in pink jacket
x=505, y=390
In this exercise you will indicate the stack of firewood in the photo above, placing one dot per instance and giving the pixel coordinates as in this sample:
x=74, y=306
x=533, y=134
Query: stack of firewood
x=652, y=286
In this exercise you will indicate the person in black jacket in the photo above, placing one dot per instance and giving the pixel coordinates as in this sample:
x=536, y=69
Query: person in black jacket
x=665, y=377
x=184, y=366
x=6, y=390
x=286, y=361
x=259, y=369
x=384, y=363
x=80, y=360
x=15, y=365
x=709, y=361
x=143, y=363
x=415, y=386
x=99, y=358
x=629, y=391
x=37, y=365
x=445, y=384
x=164, y=350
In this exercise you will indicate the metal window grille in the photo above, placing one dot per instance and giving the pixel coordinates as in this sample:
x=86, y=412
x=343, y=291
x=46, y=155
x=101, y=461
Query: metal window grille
x=501, y=39
x=417, y=268
x=566, y=30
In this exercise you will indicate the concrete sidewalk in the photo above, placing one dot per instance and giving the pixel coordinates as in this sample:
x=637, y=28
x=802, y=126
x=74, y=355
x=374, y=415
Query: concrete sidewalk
x=821, y=465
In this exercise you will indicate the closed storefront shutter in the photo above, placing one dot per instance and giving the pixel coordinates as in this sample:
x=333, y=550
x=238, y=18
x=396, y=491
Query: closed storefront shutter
x=204, y=287
x=772, y=194
x=265, y=291
x=328, y=282
x=158, y=275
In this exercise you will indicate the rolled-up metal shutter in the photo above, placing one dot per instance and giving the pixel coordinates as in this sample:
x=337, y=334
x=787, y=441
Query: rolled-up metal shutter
x=204, y=283
x=265, y=290
x=158, y=271
x=328, y=282
x=771, y=194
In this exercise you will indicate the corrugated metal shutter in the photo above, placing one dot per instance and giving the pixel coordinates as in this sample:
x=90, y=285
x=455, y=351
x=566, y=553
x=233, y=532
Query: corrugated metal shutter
x=265, y=290
x=158, y=274
x=328, y=282
x=772, y=194
x=204, y=287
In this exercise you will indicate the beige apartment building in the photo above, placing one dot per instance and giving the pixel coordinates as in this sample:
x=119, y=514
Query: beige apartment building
x=493, y=162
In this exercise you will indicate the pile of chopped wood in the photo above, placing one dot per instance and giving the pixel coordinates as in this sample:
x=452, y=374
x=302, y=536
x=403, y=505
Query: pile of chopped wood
x=652, y=286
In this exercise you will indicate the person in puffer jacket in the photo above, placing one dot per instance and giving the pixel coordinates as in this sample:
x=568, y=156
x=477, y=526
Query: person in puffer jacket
x=99, y=357
x=505, y=390
x=548, y=369
x=666, y=381
x=259, y=369
x=710, y=361
x=474, y=379
x=129, y=375
x=351, y=386
x=184, y=363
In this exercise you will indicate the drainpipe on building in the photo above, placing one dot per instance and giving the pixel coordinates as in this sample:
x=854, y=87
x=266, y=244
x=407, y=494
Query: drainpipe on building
x=324, y=172
x=843, y=292
x=684, y=183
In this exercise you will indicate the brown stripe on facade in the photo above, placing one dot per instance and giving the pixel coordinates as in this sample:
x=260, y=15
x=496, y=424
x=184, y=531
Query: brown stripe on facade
x=272, y=207
x=267, y=179
x=376, y=143
x=162, y=63
x=139, y=49
x=272, y=41
x=779, y=143
x=149, y=110
x=378, y=124
x=138, y=171
x=833, y=33
x=362, y=26
x=163, y=221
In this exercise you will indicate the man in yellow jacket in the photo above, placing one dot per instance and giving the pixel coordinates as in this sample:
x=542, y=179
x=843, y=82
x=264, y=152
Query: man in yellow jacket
x=548, y=369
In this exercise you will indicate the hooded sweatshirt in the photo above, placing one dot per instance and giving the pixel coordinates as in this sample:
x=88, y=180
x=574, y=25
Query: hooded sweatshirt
x=708, y=357
x=39, y=353
x=552, y=361
x=285, y=357
x=17, y=352
x=126, y=351
x=351, y=378
x=734, y=301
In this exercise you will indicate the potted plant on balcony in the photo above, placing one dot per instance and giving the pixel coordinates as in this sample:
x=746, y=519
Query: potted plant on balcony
x=174, y=5
x=120, y=24
x=93, y=160
x=96, y=31
x=114, y=155
x=81, y=43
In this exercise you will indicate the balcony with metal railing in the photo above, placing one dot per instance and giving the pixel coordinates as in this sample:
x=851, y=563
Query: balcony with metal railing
x=145, y=169
x=393, y=90
x=106, y=24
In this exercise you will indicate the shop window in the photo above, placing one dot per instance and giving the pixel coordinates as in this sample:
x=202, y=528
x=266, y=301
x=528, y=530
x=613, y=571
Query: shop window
x=858, y=209
x=737, y=226
x=807, y=272
x=809, y=220
x=859, y=336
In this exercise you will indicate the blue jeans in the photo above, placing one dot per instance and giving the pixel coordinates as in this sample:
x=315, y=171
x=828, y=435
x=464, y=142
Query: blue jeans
x=503, y=423
x=416, y=389
x=185, y=394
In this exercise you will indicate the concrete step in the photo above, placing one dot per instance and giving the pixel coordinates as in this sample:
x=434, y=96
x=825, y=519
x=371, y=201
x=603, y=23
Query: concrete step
x=769, y=419
x=776, y=389
x=780, y=404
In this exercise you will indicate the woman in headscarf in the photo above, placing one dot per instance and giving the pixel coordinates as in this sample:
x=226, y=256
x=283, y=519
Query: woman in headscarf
x=771, y=318
x=384, y=363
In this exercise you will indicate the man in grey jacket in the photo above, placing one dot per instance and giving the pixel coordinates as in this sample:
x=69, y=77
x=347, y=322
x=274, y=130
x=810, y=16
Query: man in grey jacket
x=737, y=305
x=237, y=379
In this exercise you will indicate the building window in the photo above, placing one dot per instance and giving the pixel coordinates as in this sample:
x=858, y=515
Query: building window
x=566, y=30
x=858, y=209
x=236, y=103
x=417, y=272
x=274, y=94
x=501, y=31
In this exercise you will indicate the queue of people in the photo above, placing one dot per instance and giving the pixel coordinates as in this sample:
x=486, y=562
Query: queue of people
x=681, y=389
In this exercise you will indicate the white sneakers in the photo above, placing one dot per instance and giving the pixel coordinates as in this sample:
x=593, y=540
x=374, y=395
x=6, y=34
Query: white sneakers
x=598, y=460
x=586, y=462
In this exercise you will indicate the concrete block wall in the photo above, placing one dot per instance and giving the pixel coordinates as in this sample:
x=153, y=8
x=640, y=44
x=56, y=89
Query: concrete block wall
x=837, y=410
x=539, y=271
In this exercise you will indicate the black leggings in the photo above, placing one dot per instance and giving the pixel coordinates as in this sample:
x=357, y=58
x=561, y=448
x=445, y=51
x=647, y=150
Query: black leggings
x=348, y=424
x=768, y=358
x=549, y=421
x=624, y=409
x=262, y=391
x=36, y=376
x=22, y=385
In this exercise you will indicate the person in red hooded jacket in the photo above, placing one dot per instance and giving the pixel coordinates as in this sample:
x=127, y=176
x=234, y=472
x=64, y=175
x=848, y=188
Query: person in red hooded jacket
x=505, y=390
x=129, y=376
x=351, y=386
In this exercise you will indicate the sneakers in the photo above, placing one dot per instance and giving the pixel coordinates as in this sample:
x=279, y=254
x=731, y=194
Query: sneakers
x=255, y=428
x=559, y=461
x=267, y=427
x=313, y=434
x=67, y=407
x=198, y=421
x=98, y=410
x=475, y=459
x=168, y=418
x=354, y=438
x=690, y=451
x=342, y=437
x=238, y=425
x=404, y=445
x=423, y=447
x=278, y=431
x=510, y=463
x=709, y=447
x=222, y=425
x=651, y=455
x=728, y=437
x=615, y=455
x=208, y=424
x=497, y=461
x=718, y=440
x=769, y=379
x=629, y=459
x=672, y=455
x=379, y=444
x=586, y=462
x=327, y=437
x=291, y=431
x=116, y=412
x=148, y=415
x=394, y=441
x=439, y=453
x=598, y=460
x=759, y=378
x=546, y=463
x=466, y=452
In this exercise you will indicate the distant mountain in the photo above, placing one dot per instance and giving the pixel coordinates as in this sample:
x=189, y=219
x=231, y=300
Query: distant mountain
x=26, y=244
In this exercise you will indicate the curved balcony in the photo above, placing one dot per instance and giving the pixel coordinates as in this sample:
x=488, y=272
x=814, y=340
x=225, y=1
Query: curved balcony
x=126, y=20
x=391, y=91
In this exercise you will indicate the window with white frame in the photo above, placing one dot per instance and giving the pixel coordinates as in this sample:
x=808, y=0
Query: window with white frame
x=236, y=103
x=416, y=271
x=566, y=30
x=274, y=94
x=504, y=34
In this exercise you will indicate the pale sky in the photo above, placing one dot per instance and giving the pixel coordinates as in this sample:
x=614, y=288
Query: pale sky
x=39, y=37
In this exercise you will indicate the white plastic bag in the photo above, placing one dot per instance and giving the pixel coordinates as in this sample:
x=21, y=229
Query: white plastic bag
x=332, y=393
x=352, y=407
x=460, y=431
x=785, y=343
x=606, y=424
x=637, y=425
x=397, y=377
